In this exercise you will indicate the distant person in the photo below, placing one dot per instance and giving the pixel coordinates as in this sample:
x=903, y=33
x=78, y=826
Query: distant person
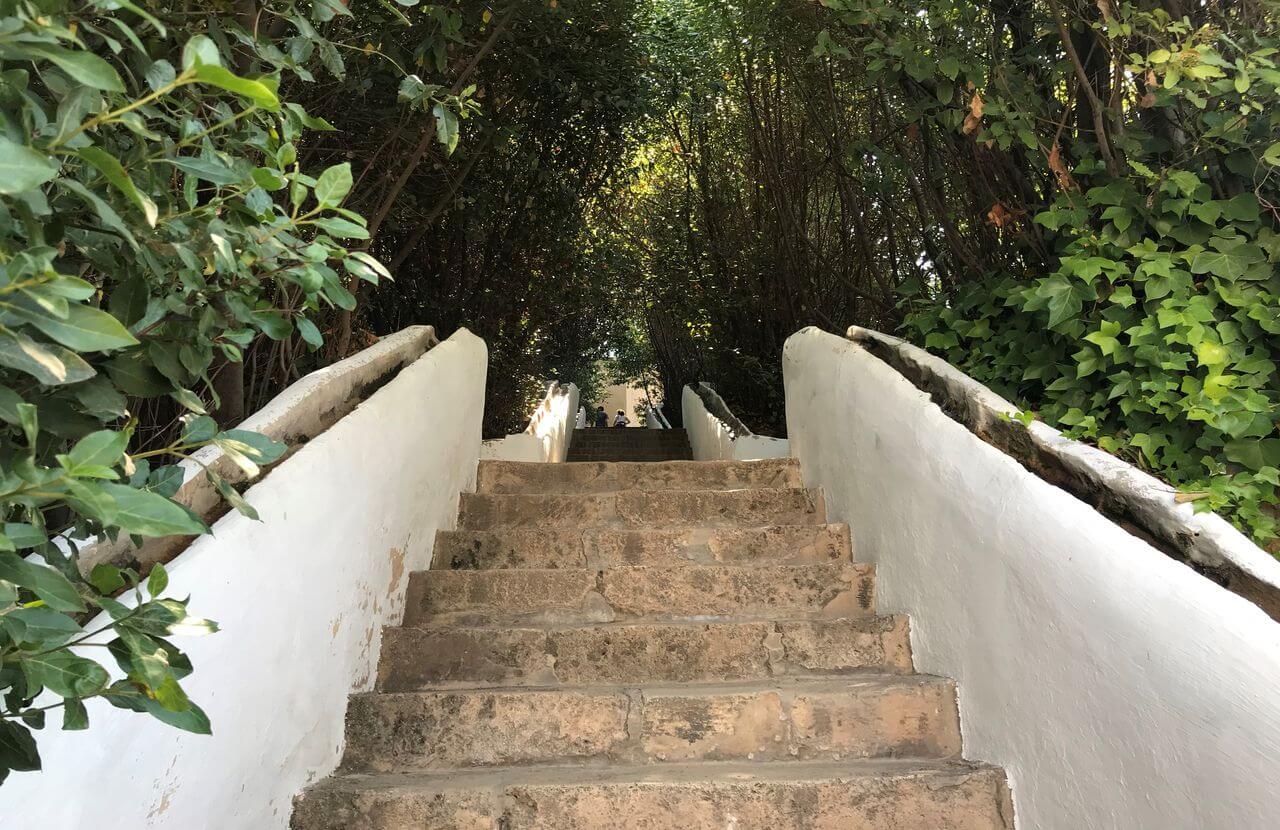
x=602, y=417
x=621, y=419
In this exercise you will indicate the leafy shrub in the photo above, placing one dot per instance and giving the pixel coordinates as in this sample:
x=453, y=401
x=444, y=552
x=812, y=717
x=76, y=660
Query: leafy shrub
x=1157, y=336
x=154, y=220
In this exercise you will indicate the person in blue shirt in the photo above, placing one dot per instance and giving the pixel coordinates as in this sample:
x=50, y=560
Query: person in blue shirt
x=602, y=417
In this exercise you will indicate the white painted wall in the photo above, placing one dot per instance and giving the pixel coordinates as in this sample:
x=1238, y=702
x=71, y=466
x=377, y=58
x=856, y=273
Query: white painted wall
x=301, y=597
x=303, y=410
x=549, y=432
x=1117, y=687
x=711, y=439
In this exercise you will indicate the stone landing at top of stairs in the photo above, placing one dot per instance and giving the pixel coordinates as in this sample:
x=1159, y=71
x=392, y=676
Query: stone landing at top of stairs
x=650, y=645
x=629, y=444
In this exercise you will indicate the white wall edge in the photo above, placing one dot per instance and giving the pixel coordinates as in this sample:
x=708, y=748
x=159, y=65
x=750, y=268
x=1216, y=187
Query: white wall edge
x=549, y=433
x=1117, y=687
x=713, y=439
x=1204, y=539
x=300, y=412
x=302, y=597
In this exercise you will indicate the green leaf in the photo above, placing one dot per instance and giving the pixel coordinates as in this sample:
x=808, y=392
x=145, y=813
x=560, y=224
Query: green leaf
x=135, y=376
x=74, y=716
x=333, y=185
x=102, y=448
x=200, y=51
x=106, y=578
x=25, y=535
x=192, y=719
x=260, y=448
x=309, y=332
x=256, y=91
x=210, y=170
x=114, y=173
x=65, y=673
x=17, y=748
x=44, y=627
x=160, y=74
x=341, y=228
x=22, y=168
x=89, y=499
x=45, y=582
x=1209, y=353
x=84, y=329
x=199, y=430
x=446, y=127
x=51, y=365
x=158, y=580
x=84, y=66
x=149, y=514
x=189, y=399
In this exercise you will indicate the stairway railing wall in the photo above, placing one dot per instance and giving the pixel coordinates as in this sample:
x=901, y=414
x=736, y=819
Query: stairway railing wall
x=302, y=597
x=716, y=434
x=298, y=414
x=1118, y=687
x=549, y=432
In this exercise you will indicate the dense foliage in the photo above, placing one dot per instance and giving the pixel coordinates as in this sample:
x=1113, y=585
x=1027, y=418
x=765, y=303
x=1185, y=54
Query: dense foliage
x=1141, y=309
x=154, y=224
x=490, y=230
x=1074, y=201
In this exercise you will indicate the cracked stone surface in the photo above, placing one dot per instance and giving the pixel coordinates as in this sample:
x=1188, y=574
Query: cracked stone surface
x=610, y=645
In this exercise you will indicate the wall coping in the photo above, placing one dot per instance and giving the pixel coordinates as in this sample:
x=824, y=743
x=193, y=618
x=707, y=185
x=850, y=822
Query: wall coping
x=1136, y=501
x=303, y=410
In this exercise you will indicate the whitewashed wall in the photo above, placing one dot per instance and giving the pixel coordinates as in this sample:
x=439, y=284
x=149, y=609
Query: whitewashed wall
x=303, y=410
x=711, y=439
x=1117, y=687
x=549, y=432
x=301, y=597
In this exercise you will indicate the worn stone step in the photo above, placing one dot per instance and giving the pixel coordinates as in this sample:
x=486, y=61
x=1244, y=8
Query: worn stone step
x=629, y=433
x=610, y=547
x=439, y=656
x=858, y=795
x=856, y=717
x=635, y=508
x=601, y=477
x=571, y=596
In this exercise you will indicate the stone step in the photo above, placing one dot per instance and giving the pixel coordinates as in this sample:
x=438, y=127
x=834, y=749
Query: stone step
x=856, y=795
x=629, y=454
x=440, y=656
x=629, y=434
x=635, y=508
x=855, y=717
x=601, y=477
x=608, y=548
x=571, y=596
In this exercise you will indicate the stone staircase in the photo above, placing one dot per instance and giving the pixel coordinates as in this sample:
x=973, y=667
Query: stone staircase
x=674, y=645
x=629, y=444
